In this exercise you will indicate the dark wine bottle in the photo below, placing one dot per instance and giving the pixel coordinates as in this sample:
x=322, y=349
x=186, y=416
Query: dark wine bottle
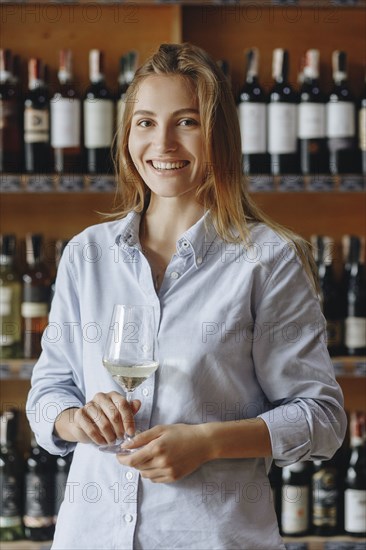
x=37, y=121
x=11, y=114
x=282, y=119
x=63, y=464
x=296, y=499
x=311, y=122
x=362, y=129
x=354, y=286
x=128, y=64
x=329, y=292
x=252, y=111
x=39, y=494
x=36, y=290
x=341, y=120
x=11, y=479
x=355, y=482
x=10, y=299
x=98, y=118
x=66, y=120
x=326, y=497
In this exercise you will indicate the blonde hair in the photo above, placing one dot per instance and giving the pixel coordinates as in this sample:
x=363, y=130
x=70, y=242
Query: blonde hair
x=224, y=190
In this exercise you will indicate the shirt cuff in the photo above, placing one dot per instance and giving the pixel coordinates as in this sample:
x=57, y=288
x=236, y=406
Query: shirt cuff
x=42, y=420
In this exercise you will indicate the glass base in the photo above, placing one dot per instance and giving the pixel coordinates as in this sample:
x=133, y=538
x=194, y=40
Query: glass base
x=116, y=448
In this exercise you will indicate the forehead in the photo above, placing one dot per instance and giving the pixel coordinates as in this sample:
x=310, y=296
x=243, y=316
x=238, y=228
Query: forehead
x=170, y=92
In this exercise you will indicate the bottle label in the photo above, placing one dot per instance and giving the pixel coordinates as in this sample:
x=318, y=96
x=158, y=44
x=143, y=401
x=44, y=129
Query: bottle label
x=311, y=123
x=10, y=499
x=38, y=501
x=98, y=123
x=8, y=113
x=282, y=128
x=354, y=511
x=34, y=309
x=36, y=125
x=325, y=498
x=355, y=332
x=362, y=127
x=65, y=122
x=252, y=119
x=295, y=506
x=5, y=301
x=340, y=119
x=334, y=333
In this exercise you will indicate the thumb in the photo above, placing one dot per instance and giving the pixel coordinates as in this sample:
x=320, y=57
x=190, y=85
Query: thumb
x=135, y=405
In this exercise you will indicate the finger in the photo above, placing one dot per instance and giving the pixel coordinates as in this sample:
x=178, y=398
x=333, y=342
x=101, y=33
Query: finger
x=143, y=438
x=88, y=426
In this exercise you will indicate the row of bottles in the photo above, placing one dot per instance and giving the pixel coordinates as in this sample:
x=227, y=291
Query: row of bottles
x=305, y=131
x=47, y=132
x=25, y=296
x=283, y=132
x=31, y=489
x=343, y=300
x=325, y=497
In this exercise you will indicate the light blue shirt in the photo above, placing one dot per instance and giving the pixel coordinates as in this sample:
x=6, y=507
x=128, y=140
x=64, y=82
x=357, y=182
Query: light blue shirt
x=239, y=334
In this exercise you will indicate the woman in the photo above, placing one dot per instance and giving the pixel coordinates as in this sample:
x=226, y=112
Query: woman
x=244, y=373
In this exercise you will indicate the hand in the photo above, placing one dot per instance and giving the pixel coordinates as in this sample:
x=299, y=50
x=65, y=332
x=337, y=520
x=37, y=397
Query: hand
x=102, y=420
x=169, y=452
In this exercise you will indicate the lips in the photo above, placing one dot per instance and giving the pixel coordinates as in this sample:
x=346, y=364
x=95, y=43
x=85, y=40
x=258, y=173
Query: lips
x=176, y=165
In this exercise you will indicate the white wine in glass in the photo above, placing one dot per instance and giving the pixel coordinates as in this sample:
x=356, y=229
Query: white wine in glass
x=129, y=354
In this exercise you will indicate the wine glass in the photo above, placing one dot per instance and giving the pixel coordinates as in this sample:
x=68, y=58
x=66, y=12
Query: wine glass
x=129, y=354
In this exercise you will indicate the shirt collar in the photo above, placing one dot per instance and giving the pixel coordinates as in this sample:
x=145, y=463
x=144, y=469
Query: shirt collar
x=197, y=239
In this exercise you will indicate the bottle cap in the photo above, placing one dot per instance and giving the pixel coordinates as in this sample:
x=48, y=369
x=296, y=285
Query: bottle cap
x=5, y=65
x=65, y=66
x=339, y=64
x=96, y=62
x=311, y=67
x=252, y=62
x=280, y=64
x=9, y=426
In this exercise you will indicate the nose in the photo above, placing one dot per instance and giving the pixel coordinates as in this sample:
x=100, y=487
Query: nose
x=165, y=139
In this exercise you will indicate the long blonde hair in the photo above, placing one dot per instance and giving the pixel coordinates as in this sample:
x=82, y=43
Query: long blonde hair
x=224, y=190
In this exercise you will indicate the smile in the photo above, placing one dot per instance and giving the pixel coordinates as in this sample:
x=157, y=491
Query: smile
x=159, y=165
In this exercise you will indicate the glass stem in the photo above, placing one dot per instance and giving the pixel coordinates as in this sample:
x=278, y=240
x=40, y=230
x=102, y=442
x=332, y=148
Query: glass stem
x=129, y=399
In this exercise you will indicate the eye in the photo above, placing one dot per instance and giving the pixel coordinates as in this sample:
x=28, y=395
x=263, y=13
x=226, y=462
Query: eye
x=188, y=122
x=144, y=123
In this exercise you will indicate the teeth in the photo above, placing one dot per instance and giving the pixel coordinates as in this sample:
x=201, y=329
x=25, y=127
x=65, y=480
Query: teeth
x=168, y=165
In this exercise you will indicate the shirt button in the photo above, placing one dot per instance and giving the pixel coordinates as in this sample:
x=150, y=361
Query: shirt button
x=174, y=275
x=185, y=244
x=129, y=476
x=199, y=260
x=128, y=518
x=145, y=392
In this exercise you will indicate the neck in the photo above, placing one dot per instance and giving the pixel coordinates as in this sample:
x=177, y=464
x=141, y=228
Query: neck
x=166, y=219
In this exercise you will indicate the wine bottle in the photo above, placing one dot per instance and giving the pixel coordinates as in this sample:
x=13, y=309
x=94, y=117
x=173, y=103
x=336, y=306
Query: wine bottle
x=282, y=119
x=252, y=111
x=275, y=479
x=355, y=482
x=341, y=120
x=326, y=497
x=354, y=286
x=311, y=119
x=36, y=290
x=39, y=494
x=11, y=114
x=63, y=464
x=36, y=121
x=98, y=118
x=362, y=129
x=296, y=499
x=11, y=478
x=66, y=120
x=329, y=292
x=128, y=64
x=10, y=298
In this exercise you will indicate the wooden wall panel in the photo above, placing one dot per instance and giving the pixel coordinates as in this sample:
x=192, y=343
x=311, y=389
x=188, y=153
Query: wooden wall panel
x=41, y=30
x=294, y=27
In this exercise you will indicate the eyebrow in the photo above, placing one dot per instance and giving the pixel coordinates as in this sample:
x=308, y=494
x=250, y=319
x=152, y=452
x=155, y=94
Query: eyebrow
x=179, y=112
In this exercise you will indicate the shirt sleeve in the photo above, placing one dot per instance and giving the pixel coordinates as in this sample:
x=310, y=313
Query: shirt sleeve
x=294, y=369
x=57, y=382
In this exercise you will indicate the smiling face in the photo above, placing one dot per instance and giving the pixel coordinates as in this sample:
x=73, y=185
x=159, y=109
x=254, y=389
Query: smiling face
x=165, y=140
